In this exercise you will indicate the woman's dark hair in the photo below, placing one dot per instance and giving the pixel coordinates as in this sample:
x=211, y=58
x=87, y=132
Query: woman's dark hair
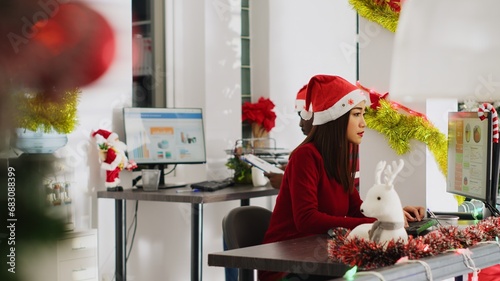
x=340, y=157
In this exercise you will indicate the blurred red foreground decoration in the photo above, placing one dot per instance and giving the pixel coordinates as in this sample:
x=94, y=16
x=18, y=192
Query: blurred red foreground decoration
x=57, y=47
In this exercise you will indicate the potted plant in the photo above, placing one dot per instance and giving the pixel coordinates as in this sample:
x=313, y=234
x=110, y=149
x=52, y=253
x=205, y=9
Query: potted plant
x=43, y=121
x=242, y=170
x=262, y=118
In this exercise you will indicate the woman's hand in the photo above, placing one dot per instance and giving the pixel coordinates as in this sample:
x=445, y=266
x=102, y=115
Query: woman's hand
x=274, y=179
x=413, y=213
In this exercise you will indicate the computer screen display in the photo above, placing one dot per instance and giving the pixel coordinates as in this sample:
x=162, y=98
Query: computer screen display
x=469, y=155
x=165, y=135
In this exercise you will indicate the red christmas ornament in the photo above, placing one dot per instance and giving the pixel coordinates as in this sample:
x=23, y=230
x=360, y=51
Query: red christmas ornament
x=60, y=47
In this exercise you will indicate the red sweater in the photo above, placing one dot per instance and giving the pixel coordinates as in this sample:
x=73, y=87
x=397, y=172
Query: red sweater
x=310, y=203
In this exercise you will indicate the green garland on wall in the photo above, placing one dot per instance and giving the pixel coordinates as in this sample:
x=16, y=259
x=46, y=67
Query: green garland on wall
x=385, y=13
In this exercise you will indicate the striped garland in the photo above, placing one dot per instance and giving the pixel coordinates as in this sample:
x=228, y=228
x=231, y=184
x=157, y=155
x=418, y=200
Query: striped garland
x=494, y=118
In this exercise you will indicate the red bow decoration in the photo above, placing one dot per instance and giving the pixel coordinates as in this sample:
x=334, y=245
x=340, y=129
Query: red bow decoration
x=376, y=97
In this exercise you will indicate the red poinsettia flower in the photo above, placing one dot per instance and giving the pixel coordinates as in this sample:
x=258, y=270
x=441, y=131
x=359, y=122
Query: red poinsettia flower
x=260, y=112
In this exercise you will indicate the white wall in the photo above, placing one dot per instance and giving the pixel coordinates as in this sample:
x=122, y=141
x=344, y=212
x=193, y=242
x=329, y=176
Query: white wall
x=291, y=41
x=420, y=182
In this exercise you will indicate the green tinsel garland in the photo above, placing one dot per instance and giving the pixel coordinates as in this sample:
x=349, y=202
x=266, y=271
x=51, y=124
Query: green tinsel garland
x=379, y=13
x=399, y=129
x=37, y=111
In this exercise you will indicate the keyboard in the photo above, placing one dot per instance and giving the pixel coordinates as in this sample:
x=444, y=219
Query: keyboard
x=417, y=228
x=212, y=185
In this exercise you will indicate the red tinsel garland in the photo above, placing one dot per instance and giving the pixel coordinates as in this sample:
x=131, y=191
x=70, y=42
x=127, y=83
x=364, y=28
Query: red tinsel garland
x=369, y=255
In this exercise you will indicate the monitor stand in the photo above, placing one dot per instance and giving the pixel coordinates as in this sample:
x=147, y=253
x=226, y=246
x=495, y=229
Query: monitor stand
x=162, y=184
x=492, y=199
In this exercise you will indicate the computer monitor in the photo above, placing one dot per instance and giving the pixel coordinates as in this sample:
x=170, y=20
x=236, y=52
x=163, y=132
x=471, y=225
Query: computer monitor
x=162, y=136
x=470, y=157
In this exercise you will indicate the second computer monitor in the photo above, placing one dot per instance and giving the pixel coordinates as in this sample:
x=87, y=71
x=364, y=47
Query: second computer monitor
x=470, y=151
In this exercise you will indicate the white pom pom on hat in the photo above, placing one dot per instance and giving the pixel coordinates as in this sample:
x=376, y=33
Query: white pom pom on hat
x=330, y=97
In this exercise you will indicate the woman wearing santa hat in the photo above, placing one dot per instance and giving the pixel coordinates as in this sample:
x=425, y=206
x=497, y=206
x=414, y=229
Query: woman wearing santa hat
x=275, y=179
x=318, y=191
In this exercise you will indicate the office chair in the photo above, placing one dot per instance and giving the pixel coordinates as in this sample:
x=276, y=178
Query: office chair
x=243, y=227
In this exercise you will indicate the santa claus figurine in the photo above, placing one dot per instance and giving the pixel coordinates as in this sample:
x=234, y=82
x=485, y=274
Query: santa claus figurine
x=113, y=158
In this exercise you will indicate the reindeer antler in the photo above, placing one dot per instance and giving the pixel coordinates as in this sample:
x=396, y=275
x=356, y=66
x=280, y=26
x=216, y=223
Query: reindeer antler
x=378, y=172
x=391, y=174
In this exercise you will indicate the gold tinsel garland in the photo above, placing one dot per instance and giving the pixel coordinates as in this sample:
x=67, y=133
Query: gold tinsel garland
x=380, y=13
x=400, y=128
x=38, y=111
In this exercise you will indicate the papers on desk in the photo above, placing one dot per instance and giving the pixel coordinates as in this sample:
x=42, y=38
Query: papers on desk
x=261, y=164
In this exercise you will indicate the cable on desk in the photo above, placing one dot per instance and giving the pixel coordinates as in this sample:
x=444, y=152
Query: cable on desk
x=171, y=170
x=134, y=221
x=494, y=211
x=134, y=224
x=428, y=271
x=136, y=180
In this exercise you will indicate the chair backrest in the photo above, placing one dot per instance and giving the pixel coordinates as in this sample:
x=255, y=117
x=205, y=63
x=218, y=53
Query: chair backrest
x=245, y=226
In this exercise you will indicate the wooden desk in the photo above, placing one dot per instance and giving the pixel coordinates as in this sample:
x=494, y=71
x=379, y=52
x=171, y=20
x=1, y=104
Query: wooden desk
x=309, y=256
x=197, y=199
x=306, y=255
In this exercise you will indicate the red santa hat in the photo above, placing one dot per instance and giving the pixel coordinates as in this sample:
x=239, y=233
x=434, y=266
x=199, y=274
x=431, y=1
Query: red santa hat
x=332, y=97
x=104, y=135
x=300, y=100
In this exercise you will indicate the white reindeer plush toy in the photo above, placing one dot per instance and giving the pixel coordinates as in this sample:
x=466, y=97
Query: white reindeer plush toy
x=382, y=202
